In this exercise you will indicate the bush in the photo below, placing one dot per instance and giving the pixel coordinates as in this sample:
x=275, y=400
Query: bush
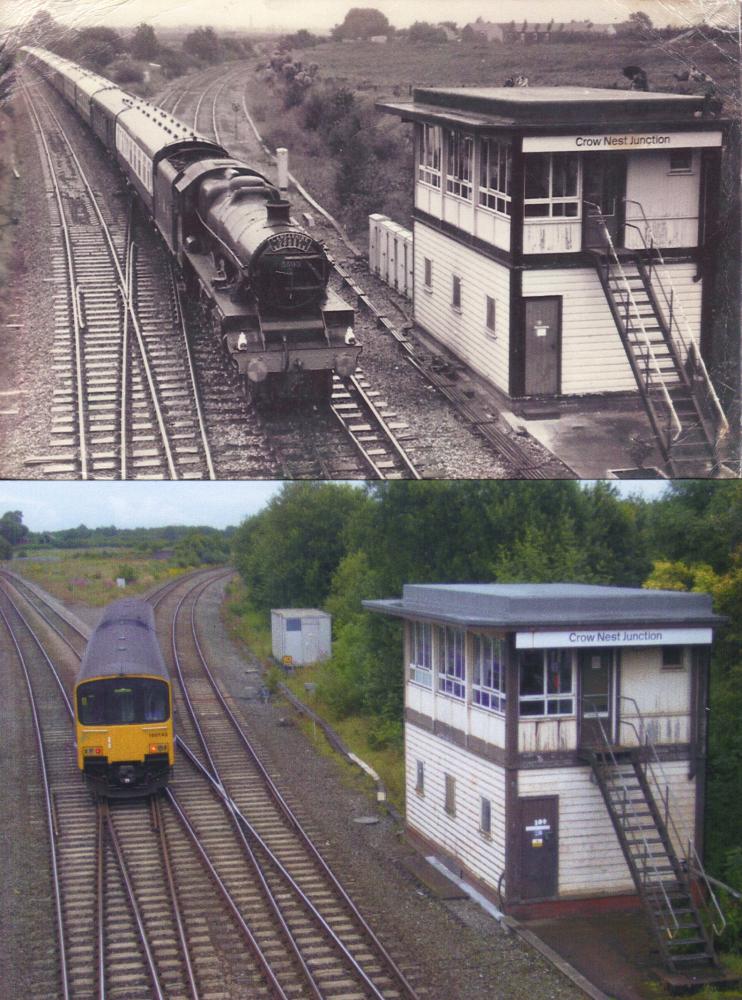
x=384, y=732
x=126, y=71
x=126, y=572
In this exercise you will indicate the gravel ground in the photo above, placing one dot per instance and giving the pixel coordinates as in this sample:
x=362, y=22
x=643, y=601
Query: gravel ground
x=457, y=950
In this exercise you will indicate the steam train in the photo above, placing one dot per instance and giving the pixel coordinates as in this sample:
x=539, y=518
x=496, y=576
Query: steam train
x=258, y=279
x=123, y=705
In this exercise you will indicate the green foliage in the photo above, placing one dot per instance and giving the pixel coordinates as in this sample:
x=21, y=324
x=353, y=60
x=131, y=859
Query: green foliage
x=127, y=572
x=12, y=528
x=97, y=47
x=201, y=547
x=6, y=550
x=362, y=22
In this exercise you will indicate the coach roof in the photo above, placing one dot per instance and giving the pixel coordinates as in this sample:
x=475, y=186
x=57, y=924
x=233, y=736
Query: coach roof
x=124, y=642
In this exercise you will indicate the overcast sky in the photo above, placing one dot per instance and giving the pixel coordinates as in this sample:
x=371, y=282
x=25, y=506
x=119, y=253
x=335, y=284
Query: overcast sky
x=320, y=15
x=54, y=506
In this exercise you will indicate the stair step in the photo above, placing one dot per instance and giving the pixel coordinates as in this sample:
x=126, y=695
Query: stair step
x=693, y=957
x=682, y=942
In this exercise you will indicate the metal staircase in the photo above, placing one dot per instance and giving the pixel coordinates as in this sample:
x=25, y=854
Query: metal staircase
x=639, y=809
x=679, y=397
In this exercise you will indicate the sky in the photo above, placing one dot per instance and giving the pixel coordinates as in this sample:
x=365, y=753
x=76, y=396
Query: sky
x=321, y=15
x=53, y=506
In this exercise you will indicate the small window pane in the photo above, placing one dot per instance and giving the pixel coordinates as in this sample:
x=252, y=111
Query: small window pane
x=428, y=273
x=490, y=319
x=450, y=804
x=456, y=299
x=293, y=624
x=672, y=656
x=681, y=161
x=485, y=815
x=420, y=778
x=532, y=673
x=537, y=175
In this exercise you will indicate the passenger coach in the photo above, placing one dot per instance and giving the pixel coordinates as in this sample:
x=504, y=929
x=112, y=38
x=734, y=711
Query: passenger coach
x=123, y=705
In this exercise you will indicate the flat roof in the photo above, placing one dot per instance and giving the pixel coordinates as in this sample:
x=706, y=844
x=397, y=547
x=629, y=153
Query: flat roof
x=480, y=107
x=300, y=612
x=542, y=605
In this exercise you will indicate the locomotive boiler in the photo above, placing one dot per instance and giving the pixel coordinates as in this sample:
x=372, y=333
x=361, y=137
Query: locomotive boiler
x=258, y=279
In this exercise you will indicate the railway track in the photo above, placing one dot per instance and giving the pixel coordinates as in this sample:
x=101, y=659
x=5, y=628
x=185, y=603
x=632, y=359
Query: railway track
x=127, y=403
x=215, y=890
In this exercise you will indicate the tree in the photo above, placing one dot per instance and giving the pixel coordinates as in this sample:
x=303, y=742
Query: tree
x=362, y=22
x=422, y=31
x=99, y=46
x=144, y=44
x=204, y=44
x=640, y=22
x=6, y=550
x=12, y=528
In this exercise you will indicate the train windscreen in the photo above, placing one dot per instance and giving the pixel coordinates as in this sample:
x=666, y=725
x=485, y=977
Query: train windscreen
x=120, y=701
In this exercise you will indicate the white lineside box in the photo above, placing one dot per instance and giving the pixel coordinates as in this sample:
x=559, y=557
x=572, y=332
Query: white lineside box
x=300, y=635
x=374, y=241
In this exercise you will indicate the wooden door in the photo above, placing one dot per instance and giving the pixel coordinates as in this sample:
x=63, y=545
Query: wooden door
x=542, y=338
x=603, y=194
x=596, y=697
x=539, y=847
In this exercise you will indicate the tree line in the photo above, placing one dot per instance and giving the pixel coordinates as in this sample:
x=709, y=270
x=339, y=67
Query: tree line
x=332, y=545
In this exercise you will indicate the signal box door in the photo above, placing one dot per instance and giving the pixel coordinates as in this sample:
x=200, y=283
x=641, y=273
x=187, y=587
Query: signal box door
x=539, y=847
x=603, y=193
x=542, y=344
x=596, y=697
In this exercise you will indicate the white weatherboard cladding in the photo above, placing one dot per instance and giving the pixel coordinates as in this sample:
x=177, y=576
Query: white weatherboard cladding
x=593, y=357
x=420, y=699
x=590, y=856
x=539, y=735
x=678, y=278
x=487, y=726
x=451, y=711
x=670, y=201
x=552, y=235
x=662, y=698
x=464, y=332
x=459, y=835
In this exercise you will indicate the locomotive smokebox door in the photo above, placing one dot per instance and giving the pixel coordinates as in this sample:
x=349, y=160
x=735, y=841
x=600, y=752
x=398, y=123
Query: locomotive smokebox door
x=539, y=847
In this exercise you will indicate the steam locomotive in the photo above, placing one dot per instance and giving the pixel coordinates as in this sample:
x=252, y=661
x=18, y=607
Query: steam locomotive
x=258, y=279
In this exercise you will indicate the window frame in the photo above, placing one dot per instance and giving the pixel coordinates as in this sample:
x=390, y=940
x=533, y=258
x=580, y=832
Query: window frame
x=460, y=157
x=456, y=292
x=429, y=162
x=485, y=828
x=428, y=274
x=546, y=697
x=490, y=305
x=452, y=663
x=552, y=200
x=493, y=697
x=500, y=197
x=684, y=169
x=421, y=670
x=420, y=777
x=449, y=794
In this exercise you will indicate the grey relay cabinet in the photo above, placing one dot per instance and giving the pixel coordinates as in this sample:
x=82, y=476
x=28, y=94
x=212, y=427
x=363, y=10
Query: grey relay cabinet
x=300, y=635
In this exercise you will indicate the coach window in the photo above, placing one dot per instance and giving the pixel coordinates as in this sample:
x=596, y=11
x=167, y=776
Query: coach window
x=552, y=185
x=429, y=168
x=459, y=165
x=546, y=682
x=495, y=176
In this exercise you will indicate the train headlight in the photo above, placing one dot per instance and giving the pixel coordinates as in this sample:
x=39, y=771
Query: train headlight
x=257, y=370
x=92, y=751
x=345, y=365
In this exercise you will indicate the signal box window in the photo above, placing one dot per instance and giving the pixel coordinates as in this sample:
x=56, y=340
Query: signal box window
x=451, y=675
x=495, y=176
x=421, y=654
x=546, y=682
x=485, y=816
x=293, y=624
x=429, y=168
x=552, y=185
x=490, y=314
x=672, y=657
x=420, y=778
x=456, y=292
x=450, y=801
x=459, y=165
x=428, y=273
x=681, y=161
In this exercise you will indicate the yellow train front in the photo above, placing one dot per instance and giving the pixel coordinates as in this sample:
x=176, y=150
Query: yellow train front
x=123, y=705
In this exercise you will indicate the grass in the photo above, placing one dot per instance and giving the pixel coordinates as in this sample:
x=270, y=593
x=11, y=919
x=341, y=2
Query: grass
x=89, y=575
x=252, y=629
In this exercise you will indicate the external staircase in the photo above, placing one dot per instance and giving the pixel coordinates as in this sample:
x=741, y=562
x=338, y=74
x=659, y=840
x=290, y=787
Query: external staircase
x=680, y=400
x=672, y=889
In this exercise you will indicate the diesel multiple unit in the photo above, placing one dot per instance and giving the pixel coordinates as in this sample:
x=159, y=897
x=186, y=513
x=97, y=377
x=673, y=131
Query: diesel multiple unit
x=123, y=705
x=258, y=279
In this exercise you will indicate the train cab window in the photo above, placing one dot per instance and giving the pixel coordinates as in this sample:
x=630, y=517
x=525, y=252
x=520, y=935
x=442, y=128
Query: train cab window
x=122, y=701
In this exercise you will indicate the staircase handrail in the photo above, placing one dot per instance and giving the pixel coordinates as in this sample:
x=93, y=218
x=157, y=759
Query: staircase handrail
x=692, y=351
x=692, y=860
x=627, y=804
x=645, y=335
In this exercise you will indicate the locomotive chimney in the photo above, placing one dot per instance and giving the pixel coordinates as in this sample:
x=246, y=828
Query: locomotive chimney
x=282, y=160
x=278, y=212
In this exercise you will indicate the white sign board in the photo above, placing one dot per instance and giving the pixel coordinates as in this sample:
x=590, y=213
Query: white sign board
x=580, y=638
x=610, y=142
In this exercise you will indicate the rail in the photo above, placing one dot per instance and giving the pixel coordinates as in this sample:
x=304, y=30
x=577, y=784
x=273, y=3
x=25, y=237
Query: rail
x=674, y=307
x=692, y=860
x=630, y=300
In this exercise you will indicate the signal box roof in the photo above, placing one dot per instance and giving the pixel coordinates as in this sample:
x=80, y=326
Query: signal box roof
x=124, y=642
x=541, y=605
x=485, y=107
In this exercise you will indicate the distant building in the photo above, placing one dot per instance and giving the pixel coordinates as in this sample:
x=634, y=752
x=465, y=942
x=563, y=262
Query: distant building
x=535, y=32
x=379, y=39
